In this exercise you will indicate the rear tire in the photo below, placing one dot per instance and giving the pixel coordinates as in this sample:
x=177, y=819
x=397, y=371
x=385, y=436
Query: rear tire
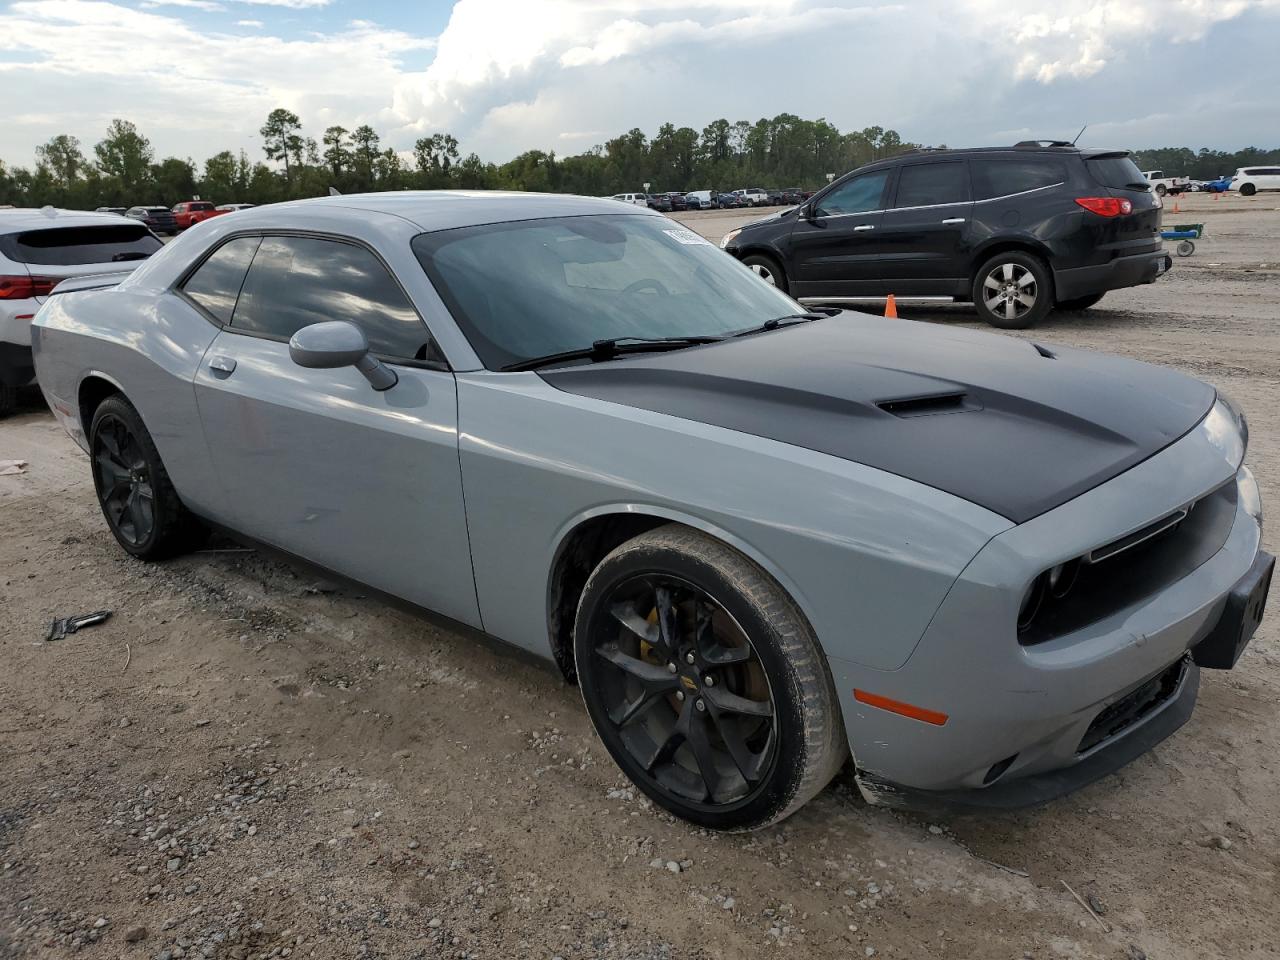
x=1079, y=303
x=704, y=682
x=1013, y=290
x=1248, y=189
x=1161, y=189
x=135, y=493
x=767, y=269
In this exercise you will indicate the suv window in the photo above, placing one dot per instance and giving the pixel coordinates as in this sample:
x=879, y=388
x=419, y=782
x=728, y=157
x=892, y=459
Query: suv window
x=216, y=283
x=70, y=246
x=1120, y=173
x=859, y=195
x=297, y=281
x=1002, y=176
x=932, y=184
x=199, y=206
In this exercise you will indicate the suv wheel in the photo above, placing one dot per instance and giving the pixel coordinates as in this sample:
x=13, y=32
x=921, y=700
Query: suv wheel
x=705, y=683
x=1247, y=189
x=1012, y=290
x=767, y=269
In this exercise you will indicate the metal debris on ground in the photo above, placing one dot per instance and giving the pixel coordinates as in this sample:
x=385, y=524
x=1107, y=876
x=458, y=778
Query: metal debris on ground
x=64, y=626
x=9, y=467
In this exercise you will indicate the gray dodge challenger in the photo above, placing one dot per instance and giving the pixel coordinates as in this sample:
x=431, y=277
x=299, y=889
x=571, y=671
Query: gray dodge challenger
x=763, y=540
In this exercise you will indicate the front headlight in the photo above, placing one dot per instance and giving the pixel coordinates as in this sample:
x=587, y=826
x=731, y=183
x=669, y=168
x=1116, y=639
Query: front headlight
x=729, y=237
x=1234, y=410
x=1250, y=495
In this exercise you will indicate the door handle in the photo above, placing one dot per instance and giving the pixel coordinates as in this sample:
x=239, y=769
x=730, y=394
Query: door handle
x=863, y=227
x=225, y=366
x=954, y=220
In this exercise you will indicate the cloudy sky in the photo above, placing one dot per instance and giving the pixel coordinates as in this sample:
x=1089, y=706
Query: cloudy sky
x=198, y=76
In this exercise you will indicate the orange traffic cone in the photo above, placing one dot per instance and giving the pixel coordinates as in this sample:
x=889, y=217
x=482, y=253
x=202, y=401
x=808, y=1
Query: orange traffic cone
x=891, y=307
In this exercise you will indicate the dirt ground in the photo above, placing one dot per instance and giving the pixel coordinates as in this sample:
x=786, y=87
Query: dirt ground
x=243, y=762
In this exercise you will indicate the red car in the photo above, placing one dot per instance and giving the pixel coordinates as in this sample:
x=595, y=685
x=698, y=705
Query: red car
x=191, y=212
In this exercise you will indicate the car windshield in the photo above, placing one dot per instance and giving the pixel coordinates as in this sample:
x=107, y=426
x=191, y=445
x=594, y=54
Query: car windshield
x=534, y=288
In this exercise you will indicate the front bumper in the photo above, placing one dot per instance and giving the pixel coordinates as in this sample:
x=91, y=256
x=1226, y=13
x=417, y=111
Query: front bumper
x=1022, y=722
x=1130, y=271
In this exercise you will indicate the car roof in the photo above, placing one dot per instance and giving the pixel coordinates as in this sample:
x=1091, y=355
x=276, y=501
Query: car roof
x=1043, y=148
x=51, y=219
x=440, y=209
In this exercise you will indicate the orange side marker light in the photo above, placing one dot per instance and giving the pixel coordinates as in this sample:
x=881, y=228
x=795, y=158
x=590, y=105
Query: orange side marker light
x=900, y=708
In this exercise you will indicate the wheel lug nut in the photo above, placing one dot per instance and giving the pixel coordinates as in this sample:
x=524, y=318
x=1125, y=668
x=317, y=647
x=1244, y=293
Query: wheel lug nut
x=708, y=681
x=679, y=694
x=688, y=658
x=700, y=705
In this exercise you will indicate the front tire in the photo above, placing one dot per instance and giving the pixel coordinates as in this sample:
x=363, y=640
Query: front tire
x=767, y=269
x=705, y=683
x=1080, y=303
x=1013, y=290
x=1248, y=189
x=134, y=490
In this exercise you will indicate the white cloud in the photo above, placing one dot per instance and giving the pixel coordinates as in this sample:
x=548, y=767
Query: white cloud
x=249, y=23
x=208, y=5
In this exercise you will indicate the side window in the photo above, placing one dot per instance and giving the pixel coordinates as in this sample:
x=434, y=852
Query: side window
x=1003, y=176
x=297, y=281
x=931, y=184
x=216, y=283
x=855, y=196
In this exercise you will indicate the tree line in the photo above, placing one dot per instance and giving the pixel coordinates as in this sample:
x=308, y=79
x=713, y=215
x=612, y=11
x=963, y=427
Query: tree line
x=122, y=169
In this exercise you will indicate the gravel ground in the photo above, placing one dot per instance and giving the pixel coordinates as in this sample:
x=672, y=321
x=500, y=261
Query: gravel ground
x=244, y=762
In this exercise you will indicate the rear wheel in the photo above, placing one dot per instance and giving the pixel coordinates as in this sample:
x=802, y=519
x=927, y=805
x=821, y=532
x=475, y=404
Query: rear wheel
x=1012, y=290
x=1161, y=189
x=137, y=498
x=1248, y=189
x=704, y=682
x=1079, y=303
x=767, y=269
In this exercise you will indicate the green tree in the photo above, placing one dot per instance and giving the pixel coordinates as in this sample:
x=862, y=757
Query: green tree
x=63, y=158
x=125, y=154
x=281, y=140
x=366, y=146
x=337, y=156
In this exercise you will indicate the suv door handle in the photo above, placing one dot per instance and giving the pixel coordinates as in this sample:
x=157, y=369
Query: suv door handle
x=225, y=366
x=863, y=226
x=954, y=220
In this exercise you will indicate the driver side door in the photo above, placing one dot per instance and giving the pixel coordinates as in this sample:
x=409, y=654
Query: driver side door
x=316, y=462
x=836, y=250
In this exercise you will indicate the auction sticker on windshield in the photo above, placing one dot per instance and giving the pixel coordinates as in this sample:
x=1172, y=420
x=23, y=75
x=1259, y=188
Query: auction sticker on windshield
x=687, y=237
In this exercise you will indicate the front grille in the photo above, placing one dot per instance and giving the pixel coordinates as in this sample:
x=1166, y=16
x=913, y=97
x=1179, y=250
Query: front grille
x=1133, y=706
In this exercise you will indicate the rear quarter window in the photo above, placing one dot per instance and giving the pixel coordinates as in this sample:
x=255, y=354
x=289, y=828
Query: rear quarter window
x=216, y=283
x=1002, y=176
x=1119, y=173
x=71, y=246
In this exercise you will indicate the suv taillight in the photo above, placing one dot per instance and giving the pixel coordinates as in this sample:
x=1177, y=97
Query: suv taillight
x=1105, y=206
x=24, y=288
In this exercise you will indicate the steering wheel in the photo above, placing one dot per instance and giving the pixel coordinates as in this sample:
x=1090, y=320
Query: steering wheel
x=647, y=284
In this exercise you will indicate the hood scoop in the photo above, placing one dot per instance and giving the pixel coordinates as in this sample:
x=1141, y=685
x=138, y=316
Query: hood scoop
x=929, y=406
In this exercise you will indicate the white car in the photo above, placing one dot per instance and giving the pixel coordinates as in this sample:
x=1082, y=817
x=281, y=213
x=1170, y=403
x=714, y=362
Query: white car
x=233, y=207
x=754, y=196
x=639, y=199
x=39, y=248
x=1249, y=180
x=700, y=200
x=1162, y=185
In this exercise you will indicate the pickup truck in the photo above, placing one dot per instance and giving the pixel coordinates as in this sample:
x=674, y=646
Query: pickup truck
x=754, y=196
x=1165, y=185
x=191, y=212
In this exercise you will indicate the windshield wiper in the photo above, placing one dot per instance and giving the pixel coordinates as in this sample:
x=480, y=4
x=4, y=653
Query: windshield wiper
x=787, y=321
x=602, y=350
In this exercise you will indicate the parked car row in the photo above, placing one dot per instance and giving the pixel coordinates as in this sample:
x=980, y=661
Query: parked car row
x=715, y=200
x=182, y=216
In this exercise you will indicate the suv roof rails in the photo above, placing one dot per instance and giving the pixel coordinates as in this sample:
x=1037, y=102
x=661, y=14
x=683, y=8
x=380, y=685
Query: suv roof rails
x=1037, y=144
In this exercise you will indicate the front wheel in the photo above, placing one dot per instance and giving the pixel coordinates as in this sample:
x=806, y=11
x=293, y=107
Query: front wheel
x=1079, y=303
x=704, y=681
x=1012, y=290
x=767, y=269
x=1248, y=189
x=134, y=491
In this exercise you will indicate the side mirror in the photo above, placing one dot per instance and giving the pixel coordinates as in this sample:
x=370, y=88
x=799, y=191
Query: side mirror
x=340, y=343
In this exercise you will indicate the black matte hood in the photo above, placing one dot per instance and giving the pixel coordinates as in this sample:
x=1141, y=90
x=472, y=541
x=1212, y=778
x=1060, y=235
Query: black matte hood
x=1006, y=424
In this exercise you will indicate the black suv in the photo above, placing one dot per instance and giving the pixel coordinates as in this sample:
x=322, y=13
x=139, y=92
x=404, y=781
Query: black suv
x=1015, y=230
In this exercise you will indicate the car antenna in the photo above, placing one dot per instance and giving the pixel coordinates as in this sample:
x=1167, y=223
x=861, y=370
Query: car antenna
x=335, y=192
x=1078, y=135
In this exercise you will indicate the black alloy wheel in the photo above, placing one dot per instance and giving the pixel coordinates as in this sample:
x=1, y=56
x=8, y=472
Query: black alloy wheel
x=706, y=685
